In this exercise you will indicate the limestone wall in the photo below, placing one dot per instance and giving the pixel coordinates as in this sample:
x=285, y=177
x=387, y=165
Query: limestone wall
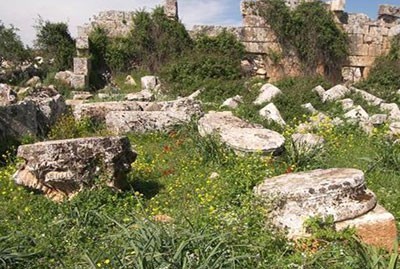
x=368, y=38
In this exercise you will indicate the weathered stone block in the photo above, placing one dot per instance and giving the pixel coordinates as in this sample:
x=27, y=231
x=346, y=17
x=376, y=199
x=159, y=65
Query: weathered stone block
x=79, y=81
x=122, y=122
x=340, y=193
x=98, y=111
x=81, y=66
x=62, y=168
x=376, y=228
x=171, y=9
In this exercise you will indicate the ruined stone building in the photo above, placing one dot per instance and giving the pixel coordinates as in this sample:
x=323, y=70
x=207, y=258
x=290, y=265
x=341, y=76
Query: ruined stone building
x=368, y=38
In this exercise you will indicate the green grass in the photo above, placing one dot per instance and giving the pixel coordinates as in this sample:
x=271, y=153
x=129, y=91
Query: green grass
x=217, y=221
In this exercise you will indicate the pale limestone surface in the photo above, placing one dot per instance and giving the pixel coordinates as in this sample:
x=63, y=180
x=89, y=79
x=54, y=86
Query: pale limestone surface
x=271, y=113
x=340, y=193
x=267, y=93
x=305, y=143
x=335, y=93
x=251, y=140
x=122, y=122
x=61, y=168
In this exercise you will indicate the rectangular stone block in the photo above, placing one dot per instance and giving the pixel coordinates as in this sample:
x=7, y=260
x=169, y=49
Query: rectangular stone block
x=82, y=42
x=376, y=228
x=81, y=66
x=79, y=81
x=361, y=60
x=254, y=20
x=261, y=47
x=257, y=34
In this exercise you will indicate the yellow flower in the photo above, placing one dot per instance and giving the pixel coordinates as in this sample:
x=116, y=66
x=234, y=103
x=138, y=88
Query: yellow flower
x=107, y=261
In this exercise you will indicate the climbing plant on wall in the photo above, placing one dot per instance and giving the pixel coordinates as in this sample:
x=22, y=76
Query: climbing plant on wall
x=309, y=30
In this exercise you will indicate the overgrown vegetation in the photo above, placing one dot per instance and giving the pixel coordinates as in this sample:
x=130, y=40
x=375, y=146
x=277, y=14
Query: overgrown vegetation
x=216, y=221
x=160, y=45
x=55, y=41
x=311, y=32
x=11, y=46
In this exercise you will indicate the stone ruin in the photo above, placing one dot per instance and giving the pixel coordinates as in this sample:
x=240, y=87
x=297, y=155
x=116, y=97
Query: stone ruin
x=369, y=38
x=115, y=24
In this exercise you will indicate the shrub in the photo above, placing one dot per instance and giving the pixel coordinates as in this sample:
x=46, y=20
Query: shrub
x=11, y=46
x=311, y=32
x=55, y=41
x=213, y=60
x=157, y=39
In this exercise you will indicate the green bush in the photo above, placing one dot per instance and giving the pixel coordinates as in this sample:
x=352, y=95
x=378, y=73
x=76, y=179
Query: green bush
x=158, y=39
x=11, y=46
x=309, y=30
x=55, y=41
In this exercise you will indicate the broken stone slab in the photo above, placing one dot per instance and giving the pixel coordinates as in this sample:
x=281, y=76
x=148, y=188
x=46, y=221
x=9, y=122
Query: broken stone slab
x=357, y=114
x=393, y=109
x=122, y=122
x=335, y=93
x=319, y=90
x=144, y=95
x=253, y=140
x=347, y=104
x=7, y=95
x=149, y=82
x=306, y=143
x=340, y=193
x=79, y=95
x=310, y=108
x=64, y=167
x=267, y=93
x=18, y=120
x=394, y=129
x=376, y=228
x=214, y=122
x=129, y=80
x=378, y=119
x=33, y=81
x=98, y=111
x=232, y=102
x=369, y=98
x=50, y=105
x=271, y=113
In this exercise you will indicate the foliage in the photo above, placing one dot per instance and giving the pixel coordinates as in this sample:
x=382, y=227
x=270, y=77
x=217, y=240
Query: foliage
x=55, y=41
x=211, y=58
x=67, y=127
x=158, y=39
x=384, y=78
x=11, y=46
x=309, y=30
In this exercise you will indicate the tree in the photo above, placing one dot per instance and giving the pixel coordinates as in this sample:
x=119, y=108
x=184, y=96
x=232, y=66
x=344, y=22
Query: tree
x=11, y=46
x=56, y=43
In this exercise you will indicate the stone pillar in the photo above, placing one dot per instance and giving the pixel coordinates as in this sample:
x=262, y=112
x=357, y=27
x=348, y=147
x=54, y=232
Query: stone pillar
x=171, y=9
x=82, y=65
x=338, y=5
